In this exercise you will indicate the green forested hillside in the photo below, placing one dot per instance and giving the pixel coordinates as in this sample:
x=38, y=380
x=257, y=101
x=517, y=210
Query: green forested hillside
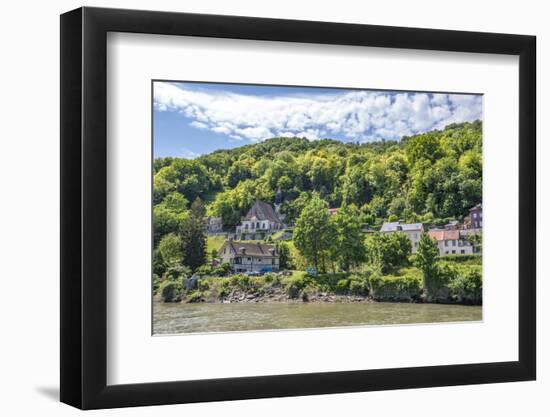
x=429, y=178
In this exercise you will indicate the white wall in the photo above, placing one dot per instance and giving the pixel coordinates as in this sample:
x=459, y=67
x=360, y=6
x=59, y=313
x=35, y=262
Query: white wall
x=29, y=211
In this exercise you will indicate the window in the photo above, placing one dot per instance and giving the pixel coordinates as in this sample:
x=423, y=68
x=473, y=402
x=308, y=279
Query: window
x=257, y=225
x=246, y=226
x=475, y=215
x=462, y=251
x=248, y=259
x=453, y=251
x=446, y=243
x=454, y=242
x=446, y=252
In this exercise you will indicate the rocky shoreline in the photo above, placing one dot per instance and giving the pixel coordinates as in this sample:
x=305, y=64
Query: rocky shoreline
x=279, y=295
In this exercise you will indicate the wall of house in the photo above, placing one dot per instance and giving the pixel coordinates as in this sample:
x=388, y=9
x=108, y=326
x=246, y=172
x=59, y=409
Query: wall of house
x=249, y=226
x=461, y=247
x=414, y=237
x=254, y=263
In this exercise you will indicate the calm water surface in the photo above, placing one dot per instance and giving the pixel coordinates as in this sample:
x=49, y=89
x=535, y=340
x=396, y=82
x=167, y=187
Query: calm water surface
x=192, y=318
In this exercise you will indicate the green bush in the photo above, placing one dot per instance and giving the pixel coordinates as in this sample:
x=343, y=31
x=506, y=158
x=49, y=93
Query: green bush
x=467, y=287
x=158, y=264
x=204, y=270
x=295, y=284
x=224, y=287
x=177, y=273
x=461, y=259
x=270, y=278
x=222, y=270
x=203, y=285
x=437, y=288
x=156, y=284
x=342, y=286
x=195, y=297
x=240, y=281
x=405, y=287
x=171, y=291
x=358, y=285
x=328, y=282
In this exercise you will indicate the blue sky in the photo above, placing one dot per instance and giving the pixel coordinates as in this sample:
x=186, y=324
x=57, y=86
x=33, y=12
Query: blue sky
x=192, y=119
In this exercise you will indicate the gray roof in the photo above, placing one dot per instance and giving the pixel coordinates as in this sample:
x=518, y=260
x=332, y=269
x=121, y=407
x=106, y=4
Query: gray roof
x=252, y=249
x=398, y=226
x=262, y=211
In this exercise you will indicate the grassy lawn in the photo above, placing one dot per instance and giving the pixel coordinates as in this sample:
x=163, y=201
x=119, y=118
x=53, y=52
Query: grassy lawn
x=277, y=235
x=213, y=242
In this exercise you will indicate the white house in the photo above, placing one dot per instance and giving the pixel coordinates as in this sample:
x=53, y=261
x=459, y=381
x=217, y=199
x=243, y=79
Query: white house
x=214, y=225
x=248, y=256
x=452, y=242
x=260, y=221
x=412, y=230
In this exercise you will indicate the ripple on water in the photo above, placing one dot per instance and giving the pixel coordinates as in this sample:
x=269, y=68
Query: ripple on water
x=205, y=317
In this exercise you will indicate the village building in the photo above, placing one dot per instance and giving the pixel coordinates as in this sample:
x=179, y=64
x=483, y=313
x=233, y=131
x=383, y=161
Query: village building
x=451, y=242
x=413, y=231
x=452, y=225
x=249, y=256
x=214, y=225
x=260, y=222
x=474, y=220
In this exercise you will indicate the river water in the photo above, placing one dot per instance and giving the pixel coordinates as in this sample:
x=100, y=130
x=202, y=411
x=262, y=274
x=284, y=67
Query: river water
x=171, y=318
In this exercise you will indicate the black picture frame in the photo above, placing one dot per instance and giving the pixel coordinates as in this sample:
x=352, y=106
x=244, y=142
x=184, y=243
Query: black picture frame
x=84, y=207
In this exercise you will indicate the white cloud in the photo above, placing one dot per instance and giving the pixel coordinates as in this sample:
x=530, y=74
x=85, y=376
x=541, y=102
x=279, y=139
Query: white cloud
x=189, y=154
x=356, y=115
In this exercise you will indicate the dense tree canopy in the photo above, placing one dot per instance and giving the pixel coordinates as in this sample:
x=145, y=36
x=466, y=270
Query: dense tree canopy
x=429, y=178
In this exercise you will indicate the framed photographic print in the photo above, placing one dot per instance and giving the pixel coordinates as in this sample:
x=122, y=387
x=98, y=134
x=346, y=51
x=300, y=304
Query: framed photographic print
x=258, y=207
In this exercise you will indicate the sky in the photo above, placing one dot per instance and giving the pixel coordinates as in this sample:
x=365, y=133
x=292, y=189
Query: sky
x=193, y=119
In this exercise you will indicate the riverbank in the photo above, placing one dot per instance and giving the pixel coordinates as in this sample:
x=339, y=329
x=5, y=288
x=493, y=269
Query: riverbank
x=274, y=294
x=460, y=283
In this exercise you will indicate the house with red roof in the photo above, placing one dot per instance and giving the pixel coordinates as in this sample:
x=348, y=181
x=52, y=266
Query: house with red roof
x=451, y=242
